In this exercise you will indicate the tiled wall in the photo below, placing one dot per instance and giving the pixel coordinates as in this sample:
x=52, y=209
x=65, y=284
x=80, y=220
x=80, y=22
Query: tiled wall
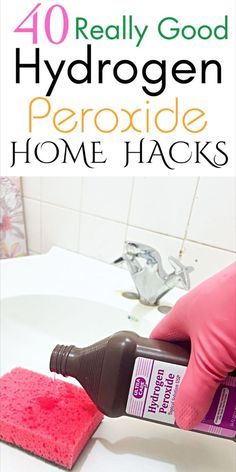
x=190, y=218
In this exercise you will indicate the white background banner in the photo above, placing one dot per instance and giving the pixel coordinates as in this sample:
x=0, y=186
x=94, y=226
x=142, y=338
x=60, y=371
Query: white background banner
x=154, y=125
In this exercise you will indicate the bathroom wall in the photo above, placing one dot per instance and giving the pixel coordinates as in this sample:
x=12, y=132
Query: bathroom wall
x=190, y=218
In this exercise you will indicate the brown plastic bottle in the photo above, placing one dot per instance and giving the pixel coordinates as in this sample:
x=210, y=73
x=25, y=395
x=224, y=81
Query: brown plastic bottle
x=126, y=374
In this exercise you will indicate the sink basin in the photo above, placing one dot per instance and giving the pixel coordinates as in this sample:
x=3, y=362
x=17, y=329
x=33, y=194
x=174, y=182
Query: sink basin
x=69, y=299
x=32, y=325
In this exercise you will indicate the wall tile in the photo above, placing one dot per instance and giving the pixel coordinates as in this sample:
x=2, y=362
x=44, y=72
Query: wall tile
x=100, y=238
x=162, y=204
x=159, y=205
x=33, y=224
x=213, y=217
x=60, y=227
x=62, y=191
x=165, y=245
x=206, y=260
x=31, y=187
x=108, y=197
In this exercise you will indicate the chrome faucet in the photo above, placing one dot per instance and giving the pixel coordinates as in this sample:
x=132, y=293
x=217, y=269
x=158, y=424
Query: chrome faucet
x=149, y=276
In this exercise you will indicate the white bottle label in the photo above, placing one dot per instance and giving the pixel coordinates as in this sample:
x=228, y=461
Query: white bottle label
x=153, y=389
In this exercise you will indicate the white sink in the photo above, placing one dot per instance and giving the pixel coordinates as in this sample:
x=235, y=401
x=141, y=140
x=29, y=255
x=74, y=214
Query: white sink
x=65, y=298
x=32, y=325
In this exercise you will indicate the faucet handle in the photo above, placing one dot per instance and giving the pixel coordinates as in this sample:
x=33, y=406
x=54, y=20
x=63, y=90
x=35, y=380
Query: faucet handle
x=151, y=256
x=182, y=272
x=140, y=250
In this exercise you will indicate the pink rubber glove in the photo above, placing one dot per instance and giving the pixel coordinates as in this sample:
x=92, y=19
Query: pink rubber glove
x=206, y=316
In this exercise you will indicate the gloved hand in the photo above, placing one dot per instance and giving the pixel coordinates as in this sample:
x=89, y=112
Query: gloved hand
x=206, y=316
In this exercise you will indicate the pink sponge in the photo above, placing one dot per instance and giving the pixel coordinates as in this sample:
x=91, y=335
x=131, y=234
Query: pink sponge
x=50, y=418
